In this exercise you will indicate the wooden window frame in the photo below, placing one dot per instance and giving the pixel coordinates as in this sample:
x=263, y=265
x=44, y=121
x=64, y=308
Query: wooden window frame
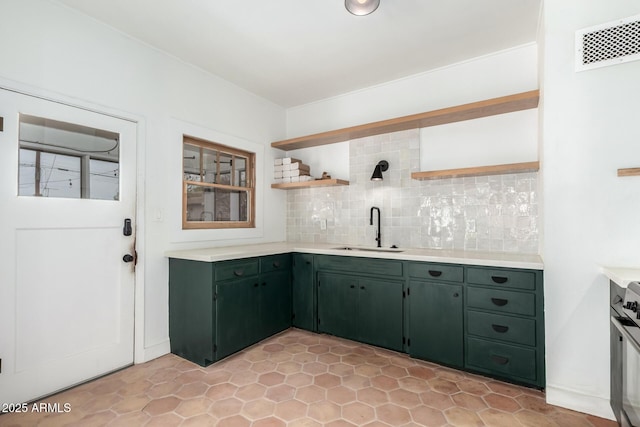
x=249, y=188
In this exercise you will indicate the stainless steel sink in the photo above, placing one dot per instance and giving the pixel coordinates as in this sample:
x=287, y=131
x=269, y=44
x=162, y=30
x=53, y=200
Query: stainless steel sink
x=361, y=248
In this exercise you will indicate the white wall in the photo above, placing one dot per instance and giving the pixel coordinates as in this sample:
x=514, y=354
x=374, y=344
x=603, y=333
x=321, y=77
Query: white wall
x=503, y=73
x=508, y=138
x=493, y=140
x=590, y=129
x=54, y=51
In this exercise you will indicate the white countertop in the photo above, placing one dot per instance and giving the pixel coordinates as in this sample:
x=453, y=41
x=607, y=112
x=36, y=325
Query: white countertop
x=622, y=276
x=493, y=259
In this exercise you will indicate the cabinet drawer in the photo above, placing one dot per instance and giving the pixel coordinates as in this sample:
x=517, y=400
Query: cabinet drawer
x=508, y=360
x=504, y=278
x=236, y=269
x=501, y=300
x=438, y=272
x=504, y=328
x=375, y=267
x=275, y=263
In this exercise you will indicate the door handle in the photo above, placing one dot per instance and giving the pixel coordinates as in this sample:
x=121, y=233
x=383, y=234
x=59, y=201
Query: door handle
x=499, y=301
x=128, y=258
x=500, y=360
x=499, y=279
x=500, y=328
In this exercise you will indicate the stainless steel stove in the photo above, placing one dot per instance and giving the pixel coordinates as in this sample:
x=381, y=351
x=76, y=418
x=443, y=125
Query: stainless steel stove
x=625, y=354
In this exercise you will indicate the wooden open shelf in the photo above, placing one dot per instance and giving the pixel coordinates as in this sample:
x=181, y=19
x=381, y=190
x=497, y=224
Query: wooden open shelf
x=629, y=172
x=316, y=183
x=474, y=110
x=478, y=171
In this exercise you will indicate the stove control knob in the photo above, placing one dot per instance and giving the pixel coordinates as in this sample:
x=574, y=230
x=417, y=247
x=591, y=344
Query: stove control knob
x=634, y=306
x=638, y=315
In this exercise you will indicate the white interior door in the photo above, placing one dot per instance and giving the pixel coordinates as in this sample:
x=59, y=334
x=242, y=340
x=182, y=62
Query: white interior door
x=67, y=183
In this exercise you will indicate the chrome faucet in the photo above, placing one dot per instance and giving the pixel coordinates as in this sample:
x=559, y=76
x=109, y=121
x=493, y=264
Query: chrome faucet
x=378, y=235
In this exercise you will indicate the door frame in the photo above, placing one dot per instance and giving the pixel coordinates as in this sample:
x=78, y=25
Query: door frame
x=139, y=355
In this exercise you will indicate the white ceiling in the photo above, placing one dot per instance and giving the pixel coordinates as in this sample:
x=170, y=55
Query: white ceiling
x=297, y=51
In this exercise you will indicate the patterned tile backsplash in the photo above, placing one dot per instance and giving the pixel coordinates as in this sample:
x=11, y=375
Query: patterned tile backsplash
x=487, y=213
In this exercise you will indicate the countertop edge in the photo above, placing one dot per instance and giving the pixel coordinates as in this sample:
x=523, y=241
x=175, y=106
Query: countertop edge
x=488, y=259
x=622, y=276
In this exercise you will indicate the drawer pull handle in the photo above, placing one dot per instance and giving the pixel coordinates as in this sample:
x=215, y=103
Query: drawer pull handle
x=500, y=328
x=276, y=264
x=435, y=273
x=456, y=295
x=499, y=279
x=255, y=285
x=500, y=360
x=238, y=273
x=352, y=286
x=500, y=302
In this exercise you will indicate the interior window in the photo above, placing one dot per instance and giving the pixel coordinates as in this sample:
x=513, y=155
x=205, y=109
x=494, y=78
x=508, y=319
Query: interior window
x=218, y=186
x=59, y=159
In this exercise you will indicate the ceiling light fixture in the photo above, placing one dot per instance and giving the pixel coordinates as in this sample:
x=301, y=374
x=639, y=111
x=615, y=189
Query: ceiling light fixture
x=382, y=166
x=361, y=7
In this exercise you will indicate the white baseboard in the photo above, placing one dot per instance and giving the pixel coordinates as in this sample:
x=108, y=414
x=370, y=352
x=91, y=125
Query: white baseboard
x=570, y=399
x=153, y=352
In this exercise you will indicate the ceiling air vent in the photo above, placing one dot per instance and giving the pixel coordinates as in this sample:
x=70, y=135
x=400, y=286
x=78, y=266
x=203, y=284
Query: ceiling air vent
x=608, y=44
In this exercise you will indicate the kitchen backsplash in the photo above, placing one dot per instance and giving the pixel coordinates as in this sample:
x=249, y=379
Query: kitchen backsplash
x=487, y=213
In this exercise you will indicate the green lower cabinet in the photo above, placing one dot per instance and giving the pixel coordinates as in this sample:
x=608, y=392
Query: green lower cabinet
x=303, y=292
x=504, y=332
x=511, y=329
x=192, y=310
x=337, y=302
x=510, y=361
x=237, y=315
x=275, y=303
x=380, y=313
x=482, y=319
x=436, y=322
x=360, y=308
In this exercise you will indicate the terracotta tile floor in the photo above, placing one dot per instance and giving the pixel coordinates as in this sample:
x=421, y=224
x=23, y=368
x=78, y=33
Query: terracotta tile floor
x=302, y=379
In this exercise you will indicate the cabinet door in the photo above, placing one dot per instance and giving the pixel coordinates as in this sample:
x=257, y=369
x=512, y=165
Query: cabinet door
x=337, y=295
x=275, y=303
x=191, y=310
x=436, y=324
x=237, y=312
x=303, y=298
x=379, y=313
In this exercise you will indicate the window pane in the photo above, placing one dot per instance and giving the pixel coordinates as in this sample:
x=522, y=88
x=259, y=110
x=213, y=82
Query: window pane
x=104, y=179
x=210, y=165
x=225, y=168
x=191, y=162
x=216, y=204
x=212, y=175
x=59, y=159
x=240, y=178
x=27, y=173
x=49, y=175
